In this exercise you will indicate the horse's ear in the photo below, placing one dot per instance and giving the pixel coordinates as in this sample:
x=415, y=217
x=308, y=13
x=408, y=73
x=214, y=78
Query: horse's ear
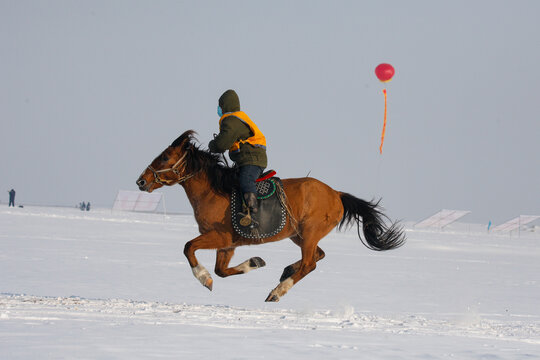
x=184, y=139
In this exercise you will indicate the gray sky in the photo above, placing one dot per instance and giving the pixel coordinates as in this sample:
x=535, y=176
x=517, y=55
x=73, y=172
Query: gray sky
x=92, y=91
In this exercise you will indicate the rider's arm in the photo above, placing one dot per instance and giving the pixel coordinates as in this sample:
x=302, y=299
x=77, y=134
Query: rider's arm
x=232, y=129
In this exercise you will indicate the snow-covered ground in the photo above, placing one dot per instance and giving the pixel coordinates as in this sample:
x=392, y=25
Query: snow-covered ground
x=110, y=285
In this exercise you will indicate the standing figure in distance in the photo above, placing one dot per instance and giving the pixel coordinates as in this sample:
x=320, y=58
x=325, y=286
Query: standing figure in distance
x=11, y=198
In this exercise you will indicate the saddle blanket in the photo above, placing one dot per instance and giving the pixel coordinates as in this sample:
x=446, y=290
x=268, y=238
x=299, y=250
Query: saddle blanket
x=271, y=215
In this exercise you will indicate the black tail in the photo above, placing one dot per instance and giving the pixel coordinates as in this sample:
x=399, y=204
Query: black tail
x=377, y=234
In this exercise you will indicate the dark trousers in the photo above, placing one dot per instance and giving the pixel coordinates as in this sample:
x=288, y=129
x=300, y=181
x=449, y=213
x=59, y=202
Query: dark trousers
x=11, y=202
x=247, y=175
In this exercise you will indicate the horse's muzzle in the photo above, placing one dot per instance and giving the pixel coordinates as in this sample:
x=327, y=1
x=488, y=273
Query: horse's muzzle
x=141, y=183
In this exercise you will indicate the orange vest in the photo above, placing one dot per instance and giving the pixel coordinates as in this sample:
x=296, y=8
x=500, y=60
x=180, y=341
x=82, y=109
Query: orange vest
x=257, y=139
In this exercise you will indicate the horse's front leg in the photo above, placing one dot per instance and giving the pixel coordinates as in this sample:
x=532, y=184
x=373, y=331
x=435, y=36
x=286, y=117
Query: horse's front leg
x=224, y=256
x=210, y=240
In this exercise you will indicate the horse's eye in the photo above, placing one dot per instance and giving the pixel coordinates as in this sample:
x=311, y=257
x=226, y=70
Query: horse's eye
x=164, y=158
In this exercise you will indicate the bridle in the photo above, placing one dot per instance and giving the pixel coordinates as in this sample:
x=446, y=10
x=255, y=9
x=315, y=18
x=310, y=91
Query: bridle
x=177, y=168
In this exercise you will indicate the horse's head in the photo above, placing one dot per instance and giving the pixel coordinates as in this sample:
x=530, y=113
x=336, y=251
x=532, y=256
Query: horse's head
x=170, y=167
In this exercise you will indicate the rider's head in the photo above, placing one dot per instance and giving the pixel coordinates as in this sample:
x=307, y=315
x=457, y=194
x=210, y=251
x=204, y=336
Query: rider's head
x=229, y=102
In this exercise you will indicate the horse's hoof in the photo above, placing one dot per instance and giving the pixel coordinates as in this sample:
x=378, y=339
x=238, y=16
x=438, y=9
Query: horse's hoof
x=272, y=298
x=208, y=284
x=256, y=262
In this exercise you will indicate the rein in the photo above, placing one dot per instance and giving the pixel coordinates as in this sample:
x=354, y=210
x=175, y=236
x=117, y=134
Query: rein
x=176, y=169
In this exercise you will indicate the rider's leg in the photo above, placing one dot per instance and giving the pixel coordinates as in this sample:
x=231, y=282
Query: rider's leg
x=246, y=177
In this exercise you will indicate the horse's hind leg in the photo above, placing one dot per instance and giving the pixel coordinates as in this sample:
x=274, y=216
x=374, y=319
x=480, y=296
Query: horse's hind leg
x=291, y=269
x=224, y=256
x=307, y=265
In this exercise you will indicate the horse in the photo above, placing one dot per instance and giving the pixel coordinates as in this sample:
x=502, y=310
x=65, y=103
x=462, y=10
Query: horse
x=314, y=209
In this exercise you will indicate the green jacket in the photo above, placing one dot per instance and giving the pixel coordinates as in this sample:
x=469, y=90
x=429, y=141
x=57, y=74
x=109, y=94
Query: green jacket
x=232, y=130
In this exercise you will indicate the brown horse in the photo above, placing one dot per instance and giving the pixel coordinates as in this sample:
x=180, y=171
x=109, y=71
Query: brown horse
x=314, y=210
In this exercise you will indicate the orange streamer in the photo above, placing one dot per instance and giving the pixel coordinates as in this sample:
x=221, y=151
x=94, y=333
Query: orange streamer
x=384, y=125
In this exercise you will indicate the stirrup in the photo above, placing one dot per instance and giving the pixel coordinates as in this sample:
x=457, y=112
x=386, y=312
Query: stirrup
x=246, y=219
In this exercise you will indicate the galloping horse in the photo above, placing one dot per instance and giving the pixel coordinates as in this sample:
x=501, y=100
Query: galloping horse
x=314, y=210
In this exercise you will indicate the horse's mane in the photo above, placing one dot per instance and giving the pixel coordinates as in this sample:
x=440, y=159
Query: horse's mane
x=222, y=178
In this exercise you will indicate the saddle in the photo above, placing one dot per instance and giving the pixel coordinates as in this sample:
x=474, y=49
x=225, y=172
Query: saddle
x=271, y=215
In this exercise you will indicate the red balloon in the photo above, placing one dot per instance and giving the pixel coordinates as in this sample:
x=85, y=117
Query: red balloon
x=384, y=72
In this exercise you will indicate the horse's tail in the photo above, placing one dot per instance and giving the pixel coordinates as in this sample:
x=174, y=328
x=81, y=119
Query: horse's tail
x=378, y=236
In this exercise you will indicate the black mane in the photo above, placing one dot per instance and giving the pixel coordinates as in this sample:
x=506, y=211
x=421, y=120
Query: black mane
x=222, y=178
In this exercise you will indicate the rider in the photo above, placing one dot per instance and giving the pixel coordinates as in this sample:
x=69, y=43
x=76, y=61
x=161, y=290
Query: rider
x=246, y=145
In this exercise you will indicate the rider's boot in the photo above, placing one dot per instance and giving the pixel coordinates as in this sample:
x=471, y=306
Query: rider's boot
x=250, y=210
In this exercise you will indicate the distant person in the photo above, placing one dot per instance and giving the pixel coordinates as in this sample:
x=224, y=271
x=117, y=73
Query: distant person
x=11, y=198
x=83, y=206
x=88, y=206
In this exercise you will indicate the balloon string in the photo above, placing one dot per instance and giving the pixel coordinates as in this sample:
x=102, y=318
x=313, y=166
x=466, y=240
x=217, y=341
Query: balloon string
x=384, y=125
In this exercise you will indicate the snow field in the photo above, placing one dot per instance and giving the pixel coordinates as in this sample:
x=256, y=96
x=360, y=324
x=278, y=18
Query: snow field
x=116, y=285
